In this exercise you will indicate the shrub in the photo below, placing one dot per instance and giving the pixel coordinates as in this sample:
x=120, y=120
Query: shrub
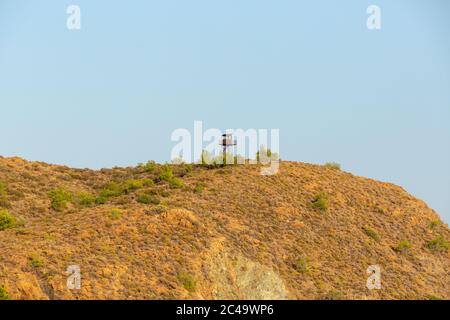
x=166, y=173
x=438, y=244
x=157, y=210
x=403, y=246
x=435, y=224
x=101, y=200
x=85, y=199
x=321, y=201
x=199, y=188
x=35, y=261
x=150, y=166
x=188, y=167
x=131, y=184
x=148, y=199
x=333, y=165
x=116, y=213
x=3, y=195
x=371, y=233
x=301, y=265
x=4, y=293
x=7, y=221
x=187, y=281
x=59, y=199
x=112, y=190
x=176, y=182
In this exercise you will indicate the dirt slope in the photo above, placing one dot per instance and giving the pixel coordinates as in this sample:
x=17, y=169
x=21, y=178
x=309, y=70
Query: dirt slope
x=215, y=233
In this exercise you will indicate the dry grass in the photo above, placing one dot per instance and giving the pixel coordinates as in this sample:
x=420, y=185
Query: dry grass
x=128, y=247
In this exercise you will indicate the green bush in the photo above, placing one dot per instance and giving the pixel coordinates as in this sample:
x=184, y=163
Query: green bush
x=7, y=221
x=166, y=173
x=85, y=199
x=371, y=233
x=321, y=201
x=3, y=196
x=403, y=246
x=116, y=213
x=148, y=199
x=35, y=261
x=113, y=189
x=4, y=293
x=150, y=166
x=435, y=224
x=301, y=265
x=59, y=199
x=333, y=165
x=199, y=188
x=176, y=182
x=187, y=281
x=438, y=244
x=101, y=200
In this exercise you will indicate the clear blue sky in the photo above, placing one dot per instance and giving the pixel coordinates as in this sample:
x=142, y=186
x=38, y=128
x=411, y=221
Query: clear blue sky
x=378, y=102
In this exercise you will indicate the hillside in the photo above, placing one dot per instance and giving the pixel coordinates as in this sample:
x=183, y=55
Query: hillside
x=309, y=232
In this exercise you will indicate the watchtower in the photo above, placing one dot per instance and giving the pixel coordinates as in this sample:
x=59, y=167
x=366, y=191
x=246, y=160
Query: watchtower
x=227, y=141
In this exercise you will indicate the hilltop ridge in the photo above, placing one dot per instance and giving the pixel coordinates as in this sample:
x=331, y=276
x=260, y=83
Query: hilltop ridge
x=192, y=232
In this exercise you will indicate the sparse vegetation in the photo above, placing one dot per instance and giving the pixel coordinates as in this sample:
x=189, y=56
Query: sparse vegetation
x=113, y=189
x=148, y=199
x=35, y=261
x=199, y=187
x=176, y=182
x=4, y=293
x=333, y=295
x=403, y=246
x=166, y=174
x=333, y=165
x=371, y=233
x=7, y=221
x=321, y=201
x=150, y=166
x=116, y=213
x=187, y=281
x=225, y=223
x=85, y=199
x=301, y=265
x=3, y=196
x=435, y=224
x=158, y=209
x=438, y=244
x=59, y=199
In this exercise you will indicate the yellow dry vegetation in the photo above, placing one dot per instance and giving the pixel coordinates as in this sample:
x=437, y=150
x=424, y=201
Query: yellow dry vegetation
x=243, y=236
